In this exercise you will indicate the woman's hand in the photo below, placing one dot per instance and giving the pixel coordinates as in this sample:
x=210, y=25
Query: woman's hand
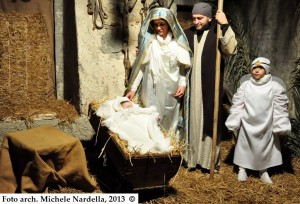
x=130, y=94
x=180, y=92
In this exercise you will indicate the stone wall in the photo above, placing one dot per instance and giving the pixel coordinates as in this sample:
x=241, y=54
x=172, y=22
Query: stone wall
x=100, y=56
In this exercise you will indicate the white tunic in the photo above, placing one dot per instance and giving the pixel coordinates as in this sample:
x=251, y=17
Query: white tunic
x=162, y=73
x=260, y=113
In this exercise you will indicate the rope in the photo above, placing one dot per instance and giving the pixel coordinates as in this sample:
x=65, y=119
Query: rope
x=95, y=8
x=143, y=11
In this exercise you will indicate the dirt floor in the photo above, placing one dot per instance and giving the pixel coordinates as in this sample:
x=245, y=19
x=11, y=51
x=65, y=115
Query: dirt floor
x=198, y=187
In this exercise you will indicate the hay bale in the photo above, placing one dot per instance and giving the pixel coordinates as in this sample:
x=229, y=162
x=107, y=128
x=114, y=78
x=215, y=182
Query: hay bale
x=26, y=87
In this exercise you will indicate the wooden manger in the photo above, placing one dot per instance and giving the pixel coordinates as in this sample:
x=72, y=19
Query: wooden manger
x=126, y=171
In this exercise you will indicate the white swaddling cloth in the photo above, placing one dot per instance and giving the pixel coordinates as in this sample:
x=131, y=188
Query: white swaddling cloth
x=138, y=126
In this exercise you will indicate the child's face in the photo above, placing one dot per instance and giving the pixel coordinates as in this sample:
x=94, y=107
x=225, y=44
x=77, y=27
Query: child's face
x=258, y=73
x=126, y=104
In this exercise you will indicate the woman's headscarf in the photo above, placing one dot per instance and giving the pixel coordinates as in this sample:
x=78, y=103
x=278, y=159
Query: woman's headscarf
x=147, y=34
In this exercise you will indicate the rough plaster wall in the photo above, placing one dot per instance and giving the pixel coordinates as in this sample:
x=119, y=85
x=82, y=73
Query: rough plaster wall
x=58, y=19
x=134, y=25
x=100, y=58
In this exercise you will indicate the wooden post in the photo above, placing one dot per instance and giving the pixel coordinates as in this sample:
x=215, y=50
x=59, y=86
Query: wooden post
x=216, y=100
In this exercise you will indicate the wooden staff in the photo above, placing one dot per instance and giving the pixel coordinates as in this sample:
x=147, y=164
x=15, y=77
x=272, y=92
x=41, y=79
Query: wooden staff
x=216, y=100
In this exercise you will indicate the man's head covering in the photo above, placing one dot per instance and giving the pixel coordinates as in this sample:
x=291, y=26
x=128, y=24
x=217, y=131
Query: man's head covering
x=202, y=8
x=261, y=62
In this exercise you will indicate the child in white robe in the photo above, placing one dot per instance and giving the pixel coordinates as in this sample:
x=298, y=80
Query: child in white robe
x=260, y=114
x=134, y=124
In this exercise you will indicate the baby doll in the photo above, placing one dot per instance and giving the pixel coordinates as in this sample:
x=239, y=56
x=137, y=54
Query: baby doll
x=134, y=124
